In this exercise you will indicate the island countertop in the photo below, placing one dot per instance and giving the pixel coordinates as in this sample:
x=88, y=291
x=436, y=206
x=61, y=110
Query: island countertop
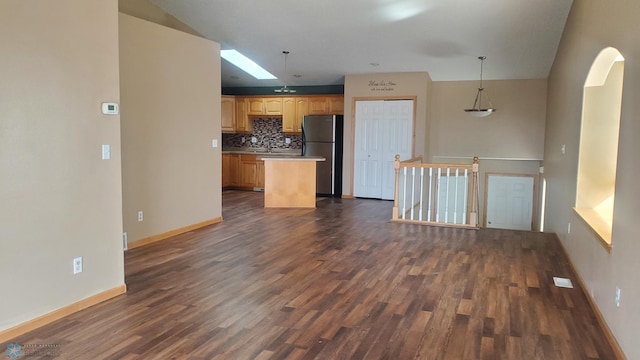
x=280, y=157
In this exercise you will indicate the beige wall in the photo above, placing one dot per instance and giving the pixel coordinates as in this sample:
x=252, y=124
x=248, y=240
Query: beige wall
x=58, y=199
x=143, y=9
x=170, y=85
x=515, y=131
x=510, y=141
x=592, y=26
x=379, y=86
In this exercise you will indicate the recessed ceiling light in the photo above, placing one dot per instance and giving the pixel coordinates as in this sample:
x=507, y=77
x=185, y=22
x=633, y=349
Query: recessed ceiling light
x=245, y=64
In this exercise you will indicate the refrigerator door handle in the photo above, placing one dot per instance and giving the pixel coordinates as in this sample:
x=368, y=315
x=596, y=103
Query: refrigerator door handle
x=303, y=142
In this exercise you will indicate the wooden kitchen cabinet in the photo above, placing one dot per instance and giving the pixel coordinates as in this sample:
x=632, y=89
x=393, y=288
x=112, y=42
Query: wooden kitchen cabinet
x=255, y=106
x=239, y=117
x=293, y=110
x=243, y=123
x=251, y=172
x=248, y=173
x=324, y=105
x=230, y=166
x=336, y=104
x=273, y=106
x=318, y=105
x=260, y=173
x=264, y=106
x=228, y=114
x=225, y=171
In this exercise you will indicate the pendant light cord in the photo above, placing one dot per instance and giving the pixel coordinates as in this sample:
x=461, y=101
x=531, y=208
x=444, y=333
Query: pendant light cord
x=481, y=67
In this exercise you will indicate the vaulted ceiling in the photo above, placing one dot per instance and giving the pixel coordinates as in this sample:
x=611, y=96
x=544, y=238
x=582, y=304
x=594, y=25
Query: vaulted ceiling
x=330, y=38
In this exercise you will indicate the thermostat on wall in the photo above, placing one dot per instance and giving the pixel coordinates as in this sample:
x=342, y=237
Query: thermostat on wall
x=110, y=108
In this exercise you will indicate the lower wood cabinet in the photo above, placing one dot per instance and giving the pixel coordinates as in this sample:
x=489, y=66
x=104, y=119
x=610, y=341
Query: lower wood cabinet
x=260, y=173
x=230, y=166
x=242, y=171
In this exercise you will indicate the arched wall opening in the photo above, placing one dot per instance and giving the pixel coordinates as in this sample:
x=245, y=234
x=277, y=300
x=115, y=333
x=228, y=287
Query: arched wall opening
x=598, y=154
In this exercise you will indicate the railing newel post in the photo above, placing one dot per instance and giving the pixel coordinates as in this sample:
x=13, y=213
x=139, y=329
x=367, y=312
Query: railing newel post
x=396, y=167
x=473, y=216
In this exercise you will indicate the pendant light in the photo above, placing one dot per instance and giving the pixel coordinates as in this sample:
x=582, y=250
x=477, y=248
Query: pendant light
x=478, y=110
x=285, y=89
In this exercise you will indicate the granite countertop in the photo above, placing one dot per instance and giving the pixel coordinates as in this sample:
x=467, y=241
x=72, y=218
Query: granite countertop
x=263, y=151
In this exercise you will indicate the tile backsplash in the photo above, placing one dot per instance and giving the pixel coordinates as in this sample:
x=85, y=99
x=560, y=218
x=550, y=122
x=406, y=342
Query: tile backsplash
x=268, y=133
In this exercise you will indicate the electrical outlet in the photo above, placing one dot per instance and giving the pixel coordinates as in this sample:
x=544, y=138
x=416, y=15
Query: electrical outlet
x=243, y=140
x=77, y=265
x=125, y=241
x=287, y=140
x=140, y=216
x=254, y=139
x=214, y=143
x=618, y=296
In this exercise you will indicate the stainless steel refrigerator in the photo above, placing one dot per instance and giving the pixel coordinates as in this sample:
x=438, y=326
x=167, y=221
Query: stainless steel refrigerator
x=322, y=136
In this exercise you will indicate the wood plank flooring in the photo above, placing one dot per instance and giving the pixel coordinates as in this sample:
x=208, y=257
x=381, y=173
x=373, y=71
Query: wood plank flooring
x=336, y=282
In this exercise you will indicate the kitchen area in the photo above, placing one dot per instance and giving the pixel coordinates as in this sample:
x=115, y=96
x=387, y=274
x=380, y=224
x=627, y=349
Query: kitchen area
x=259, y=128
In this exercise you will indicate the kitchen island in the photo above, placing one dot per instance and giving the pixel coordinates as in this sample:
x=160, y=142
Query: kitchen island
x=290, y=181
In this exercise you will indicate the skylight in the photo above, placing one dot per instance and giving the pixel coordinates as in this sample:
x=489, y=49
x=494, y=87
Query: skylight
x=245, y=64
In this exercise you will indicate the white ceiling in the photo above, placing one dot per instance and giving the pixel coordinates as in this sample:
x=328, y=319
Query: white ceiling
x=330, y=38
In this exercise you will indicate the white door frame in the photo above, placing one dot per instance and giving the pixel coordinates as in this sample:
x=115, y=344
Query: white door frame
x=353, y=127
x=534, y=203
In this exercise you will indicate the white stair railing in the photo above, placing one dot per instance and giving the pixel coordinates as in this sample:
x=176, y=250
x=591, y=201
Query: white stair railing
x=436, y=194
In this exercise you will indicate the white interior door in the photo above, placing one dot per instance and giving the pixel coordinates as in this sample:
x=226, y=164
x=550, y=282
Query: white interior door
x=367, y=172
x=510, y=202
x=383, y=129
x=397, y=138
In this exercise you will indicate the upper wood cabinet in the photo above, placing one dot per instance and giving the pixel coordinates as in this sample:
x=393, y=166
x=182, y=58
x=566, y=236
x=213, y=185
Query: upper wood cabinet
x=323, y=105
x=293, y=110
x=228, y=114
x=243, y=124
x=336, y=104
x=237, y=112
x=273, y=106
x=255, y=106
x=264, y=106
x=318, y=105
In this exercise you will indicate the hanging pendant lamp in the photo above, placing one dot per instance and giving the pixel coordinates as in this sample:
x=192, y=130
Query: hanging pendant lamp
x=478, y=110
x=285, y=89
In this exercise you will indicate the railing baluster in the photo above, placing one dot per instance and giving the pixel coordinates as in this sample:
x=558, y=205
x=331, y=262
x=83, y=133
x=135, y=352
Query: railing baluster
x=437, y=195
x=430, y=204
x=421, y=192
x=404, y=194
x=413, y=190
x=455, y=201
x=464, y=204
x=446, y=209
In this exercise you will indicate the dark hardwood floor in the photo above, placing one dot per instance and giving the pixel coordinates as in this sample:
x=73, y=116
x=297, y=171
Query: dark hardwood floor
x=337, y=282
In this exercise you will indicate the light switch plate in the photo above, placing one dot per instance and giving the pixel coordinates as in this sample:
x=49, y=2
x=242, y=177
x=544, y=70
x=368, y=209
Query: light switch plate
x=106, y=152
